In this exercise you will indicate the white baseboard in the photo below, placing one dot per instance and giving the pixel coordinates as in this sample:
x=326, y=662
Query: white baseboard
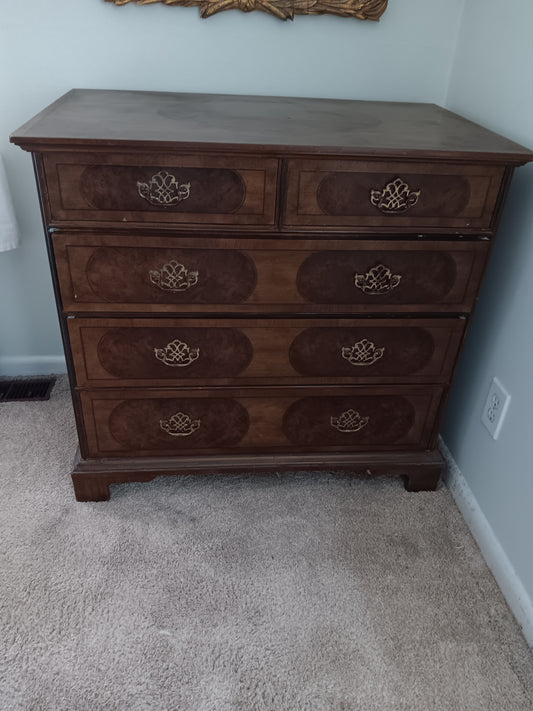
x=32, y=365
x=510, y=584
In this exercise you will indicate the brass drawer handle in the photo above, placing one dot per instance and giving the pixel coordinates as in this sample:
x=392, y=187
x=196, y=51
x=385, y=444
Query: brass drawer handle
x=164, y=190
x=395, y=197
x=362, y=353
x=177, y=354
x=378, y=280
x=349, y=421
x=179, y=425
x=173, y=276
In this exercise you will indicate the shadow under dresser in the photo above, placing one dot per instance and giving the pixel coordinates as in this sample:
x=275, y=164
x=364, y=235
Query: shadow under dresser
x=255, y=284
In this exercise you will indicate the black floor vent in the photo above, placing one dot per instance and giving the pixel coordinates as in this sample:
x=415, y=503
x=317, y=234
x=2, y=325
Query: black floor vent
x=25, y=388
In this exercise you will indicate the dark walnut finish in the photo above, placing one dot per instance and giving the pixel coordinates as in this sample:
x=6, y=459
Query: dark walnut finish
x=208, y=275
x=262, y=284
x=161, y=188
x=161, y=352
x=329, y=193
x=138, y=421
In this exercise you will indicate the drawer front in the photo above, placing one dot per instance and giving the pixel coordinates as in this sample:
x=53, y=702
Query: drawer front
x=162, y=188
x=204, y=274
x=154, y=276
x=157, y=352
x=392, y=278
x=368, y=194
x=165, y=422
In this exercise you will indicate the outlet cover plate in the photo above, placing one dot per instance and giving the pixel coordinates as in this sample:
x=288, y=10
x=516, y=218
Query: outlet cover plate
x=496, y=406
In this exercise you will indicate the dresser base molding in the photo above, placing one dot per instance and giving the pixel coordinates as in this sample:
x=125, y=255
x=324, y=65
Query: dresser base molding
x=93, y=477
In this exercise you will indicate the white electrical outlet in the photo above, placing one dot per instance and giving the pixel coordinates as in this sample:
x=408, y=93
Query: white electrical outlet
x=496, y=407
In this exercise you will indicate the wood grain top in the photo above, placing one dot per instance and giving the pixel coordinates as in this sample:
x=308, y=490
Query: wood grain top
x=131, y=119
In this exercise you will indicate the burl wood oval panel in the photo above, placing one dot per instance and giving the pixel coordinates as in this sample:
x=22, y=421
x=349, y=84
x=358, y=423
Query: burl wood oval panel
x=363, y=351
x=153, y=353
x=347, y=194
x=168, y=276
x=384, y=277
x=170, y=189
x=358, y=421
x=182, y=423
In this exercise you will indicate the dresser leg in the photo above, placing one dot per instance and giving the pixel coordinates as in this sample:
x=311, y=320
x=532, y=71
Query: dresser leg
x=424, y=478
x=90, y=488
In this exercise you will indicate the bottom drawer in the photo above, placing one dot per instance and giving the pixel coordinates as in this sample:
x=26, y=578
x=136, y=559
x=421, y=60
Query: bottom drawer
x=258, y=420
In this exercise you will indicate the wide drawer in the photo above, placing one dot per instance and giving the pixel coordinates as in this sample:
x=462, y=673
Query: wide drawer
x=367, y=194
x=166, y=422
x=108, y=273
x=160, y=188
x=137, y=352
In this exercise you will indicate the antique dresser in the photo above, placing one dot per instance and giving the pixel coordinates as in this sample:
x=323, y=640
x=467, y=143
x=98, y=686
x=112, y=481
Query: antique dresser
x=262, y=284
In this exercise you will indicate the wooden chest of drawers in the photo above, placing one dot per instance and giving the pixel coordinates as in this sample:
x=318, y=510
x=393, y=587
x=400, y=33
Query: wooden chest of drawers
x=254, y=284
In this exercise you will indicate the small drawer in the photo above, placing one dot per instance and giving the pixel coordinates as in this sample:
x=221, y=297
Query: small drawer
x=150, y=274
x=161, y=188
x=366, y=194
x=166, y=422
x=160, y=352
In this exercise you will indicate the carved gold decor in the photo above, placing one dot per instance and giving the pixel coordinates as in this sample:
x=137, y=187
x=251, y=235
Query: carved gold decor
x=395, y=197
x=173, y=276
x=164, y=190
x=177, y=354
x=349, y=421
x=179, y=425
x=378, y=280
x=283, y=9
x=362, y=353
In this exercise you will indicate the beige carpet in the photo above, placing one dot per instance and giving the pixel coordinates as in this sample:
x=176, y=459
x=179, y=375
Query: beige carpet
x=295, y=593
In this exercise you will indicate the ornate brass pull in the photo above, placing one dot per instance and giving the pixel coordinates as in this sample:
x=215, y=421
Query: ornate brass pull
x=177, y=354
x=349, y=421
x=173, y=276
x=362, y=353
x=395, y=197
x=179, y=425
x=378, y=280
x=164, y=190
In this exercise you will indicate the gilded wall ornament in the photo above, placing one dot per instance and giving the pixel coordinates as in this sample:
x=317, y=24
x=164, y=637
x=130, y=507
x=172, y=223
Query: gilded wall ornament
x=284, y=9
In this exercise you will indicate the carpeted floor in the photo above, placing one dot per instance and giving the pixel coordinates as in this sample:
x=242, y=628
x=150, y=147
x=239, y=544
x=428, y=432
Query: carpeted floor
x=295, y=593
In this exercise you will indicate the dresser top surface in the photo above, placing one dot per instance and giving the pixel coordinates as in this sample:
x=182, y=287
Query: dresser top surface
x=102, y=118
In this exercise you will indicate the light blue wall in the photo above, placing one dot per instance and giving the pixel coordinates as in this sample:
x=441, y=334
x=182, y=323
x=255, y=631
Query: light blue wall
x=46, y=48
x=491, y=83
